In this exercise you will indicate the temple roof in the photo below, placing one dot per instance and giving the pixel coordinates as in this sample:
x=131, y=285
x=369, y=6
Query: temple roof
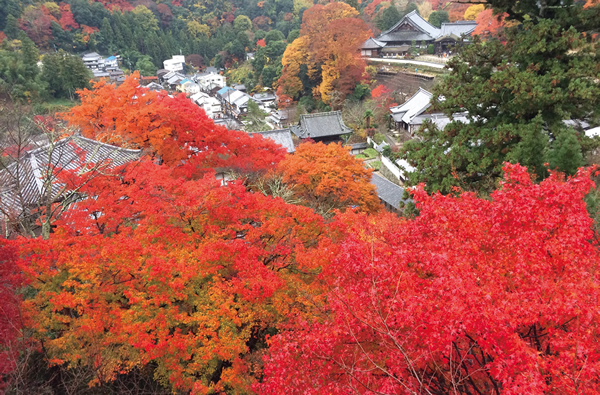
x=372, y=43
x=320, y=125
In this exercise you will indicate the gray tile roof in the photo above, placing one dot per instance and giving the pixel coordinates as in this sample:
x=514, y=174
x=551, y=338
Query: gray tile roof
x=372, y=43
x=406, y=36
x=425, y=30
x=282, y=137
x=387, y=191
x=417, y=21
x=320, y=125
x=458, y=28
x=69, y=153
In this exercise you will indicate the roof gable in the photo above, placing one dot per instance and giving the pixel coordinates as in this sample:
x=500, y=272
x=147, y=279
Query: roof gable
x=416, y=105
x=282, y=137
x=321, y=125
x=415, y=20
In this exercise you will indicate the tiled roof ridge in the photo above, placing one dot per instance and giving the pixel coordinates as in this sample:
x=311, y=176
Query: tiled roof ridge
x=74, y=138
x=321, y=114
x=459, y=23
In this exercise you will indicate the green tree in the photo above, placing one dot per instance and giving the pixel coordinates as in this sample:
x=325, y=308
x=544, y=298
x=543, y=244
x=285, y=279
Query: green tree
x=19, y=72
x=438, y=17
x=293, y=34
x=565, y=154
x=255, y=118
x=242, y=23
x=64, y=74
x=274, y=35
x=145, y=66
x=389, y=17
x=12, y=27
x=515, y=96
x=270, y=74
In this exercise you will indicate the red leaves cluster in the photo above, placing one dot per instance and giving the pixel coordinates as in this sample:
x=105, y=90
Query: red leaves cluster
x=473, y=296
x=261, y=43
x=11, y=318
x=176, y=273
x=67, y=22
x=174, y=129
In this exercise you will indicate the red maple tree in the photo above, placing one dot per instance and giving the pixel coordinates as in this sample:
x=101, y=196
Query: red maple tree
x=473, y=296
x=173, y=129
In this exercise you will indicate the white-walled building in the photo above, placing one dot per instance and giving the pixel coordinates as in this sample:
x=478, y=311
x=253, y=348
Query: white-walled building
x=210, y=79
x=211, y=105
x=175, y=64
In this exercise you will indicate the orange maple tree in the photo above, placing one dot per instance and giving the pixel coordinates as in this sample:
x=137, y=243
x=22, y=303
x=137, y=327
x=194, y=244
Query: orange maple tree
x=172, y=128
x=186, y=276
x=327, y=178
x=329, y=43
x=473, y=296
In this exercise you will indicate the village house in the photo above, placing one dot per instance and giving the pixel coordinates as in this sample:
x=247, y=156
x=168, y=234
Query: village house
x=282, y=137
x=267, y=101
x=177, y=63
x=325, y=127
x=188, y=87
x=234, y=102
x=398, y=40
x=29, y=183
x=390, y=194
x=410, y=115
x=211, y=105
x=210, y=79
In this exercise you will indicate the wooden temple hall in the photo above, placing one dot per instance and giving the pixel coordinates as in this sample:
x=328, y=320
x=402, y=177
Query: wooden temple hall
x=398, y=40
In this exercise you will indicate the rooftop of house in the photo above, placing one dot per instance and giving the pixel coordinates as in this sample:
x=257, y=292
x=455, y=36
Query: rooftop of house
x=282, y=137
x=323, y=124
x=373, y=43
x=70, y=153
x=267, y=96
x=422, y=31
x=416, y=105
x=387, y=191
x=91, y=56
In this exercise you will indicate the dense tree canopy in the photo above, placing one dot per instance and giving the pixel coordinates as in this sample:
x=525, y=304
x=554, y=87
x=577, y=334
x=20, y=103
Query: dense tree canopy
x=325, y=58
x=173, y=128
x=516, y=96
x=473, y=296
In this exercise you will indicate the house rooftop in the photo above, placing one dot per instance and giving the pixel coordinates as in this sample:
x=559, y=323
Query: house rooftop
x=282, y=137
x=320, y=125
x=63, y=154
x=387, y=191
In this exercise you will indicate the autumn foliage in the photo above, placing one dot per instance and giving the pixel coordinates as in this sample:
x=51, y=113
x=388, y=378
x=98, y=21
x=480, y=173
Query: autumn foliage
x=172, y=128
x=328, y=46
x=185, y=275
x=327, y=178
x=473, y=296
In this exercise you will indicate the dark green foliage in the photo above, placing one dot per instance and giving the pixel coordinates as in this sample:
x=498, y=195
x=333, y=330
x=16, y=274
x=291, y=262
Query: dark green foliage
x=565, y=154
x=11, y=28
x=64, y=74
x=438, y=17
x=361, y=91
x=19, y=73
x=270, y=74
x=517, y=95
x=293, y=34
x=389, y=17
x=145, y=66
x=274, y=35
x=411, y=7
x=430, y=49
